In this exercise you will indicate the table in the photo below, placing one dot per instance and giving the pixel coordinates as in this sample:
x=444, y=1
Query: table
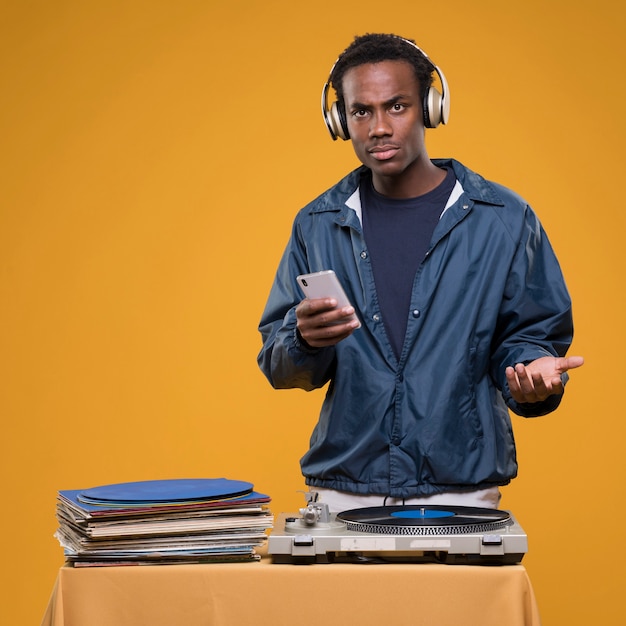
x=241, y=594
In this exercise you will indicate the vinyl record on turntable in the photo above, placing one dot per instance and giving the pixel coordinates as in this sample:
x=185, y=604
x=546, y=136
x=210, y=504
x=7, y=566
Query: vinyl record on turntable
x=424, y=520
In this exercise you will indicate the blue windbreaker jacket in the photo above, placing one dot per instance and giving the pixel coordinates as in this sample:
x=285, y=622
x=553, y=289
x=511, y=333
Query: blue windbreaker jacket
x=490, y=293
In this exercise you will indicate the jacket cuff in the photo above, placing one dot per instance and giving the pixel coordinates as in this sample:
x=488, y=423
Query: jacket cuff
x=536, y=409
x=301, y=344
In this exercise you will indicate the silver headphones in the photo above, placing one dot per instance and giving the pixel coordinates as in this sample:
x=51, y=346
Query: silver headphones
x=436, y=105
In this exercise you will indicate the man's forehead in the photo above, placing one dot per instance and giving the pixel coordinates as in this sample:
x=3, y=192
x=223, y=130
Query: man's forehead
x=383, y=79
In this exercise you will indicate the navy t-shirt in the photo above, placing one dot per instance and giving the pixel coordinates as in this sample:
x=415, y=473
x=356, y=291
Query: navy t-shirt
x=397, y=233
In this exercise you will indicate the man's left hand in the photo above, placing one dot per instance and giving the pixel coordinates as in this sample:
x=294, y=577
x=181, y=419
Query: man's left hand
x=540, y=378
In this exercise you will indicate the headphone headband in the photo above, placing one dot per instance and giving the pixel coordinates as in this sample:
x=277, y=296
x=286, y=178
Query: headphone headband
x=436, y=106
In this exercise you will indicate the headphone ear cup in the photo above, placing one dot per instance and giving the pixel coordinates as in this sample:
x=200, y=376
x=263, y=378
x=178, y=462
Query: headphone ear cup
x=337, y=122
x=432, y=108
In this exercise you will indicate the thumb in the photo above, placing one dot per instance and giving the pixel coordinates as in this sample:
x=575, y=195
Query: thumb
x=570, y=363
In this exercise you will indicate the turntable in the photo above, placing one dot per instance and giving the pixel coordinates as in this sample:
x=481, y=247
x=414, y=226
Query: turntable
x=409, y=533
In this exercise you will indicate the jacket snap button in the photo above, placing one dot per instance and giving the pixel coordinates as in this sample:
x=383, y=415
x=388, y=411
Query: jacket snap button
x=416, y=313
x=364, y=255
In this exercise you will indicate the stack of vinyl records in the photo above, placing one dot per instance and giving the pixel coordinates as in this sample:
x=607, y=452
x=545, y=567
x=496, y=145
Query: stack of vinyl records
x=205, y=520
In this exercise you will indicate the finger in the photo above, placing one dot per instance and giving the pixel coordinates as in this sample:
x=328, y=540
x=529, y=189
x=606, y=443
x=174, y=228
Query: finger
x=319, y=305
x=570, y=363
x=541, y=388
x=556, y=386
x=514, y=385
x=323, y=336
x=307, y=311
x=525, y=381
x=333, y=319
x=511, y=379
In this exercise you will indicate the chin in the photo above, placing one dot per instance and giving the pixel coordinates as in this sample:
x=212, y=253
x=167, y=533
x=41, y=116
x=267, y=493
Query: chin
x=387, y=168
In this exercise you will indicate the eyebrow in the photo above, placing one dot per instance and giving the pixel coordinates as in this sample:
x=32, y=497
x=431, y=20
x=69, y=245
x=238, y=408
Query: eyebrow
x=391, y=101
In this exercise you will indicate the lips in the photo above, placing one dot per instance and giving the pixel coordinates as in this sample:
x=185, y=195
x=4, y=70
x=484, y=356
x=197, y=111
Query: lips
x=383, y=153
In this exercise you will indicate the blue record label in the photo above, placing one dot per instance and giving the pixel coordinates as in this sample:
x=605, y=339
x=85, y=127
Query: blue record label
x=421, y=514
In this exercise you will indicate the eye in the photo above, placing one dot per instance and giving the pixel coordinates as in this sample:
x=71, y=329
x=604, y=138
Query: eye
x=359, y=113
x=397, y=107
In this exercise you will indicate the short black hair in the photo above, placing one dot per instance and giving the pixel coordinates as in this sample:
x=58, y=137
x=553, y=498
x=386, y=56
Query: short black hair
x=377, y=47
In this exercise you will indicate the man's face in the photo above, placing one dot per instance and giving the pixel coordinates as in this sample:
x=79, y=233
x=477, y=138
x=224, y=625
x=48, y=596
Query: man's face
x=385, y=120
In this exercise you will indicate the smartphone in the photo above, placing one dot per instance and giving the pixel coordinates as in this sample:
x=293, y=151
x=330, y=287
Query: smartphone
x=324, y=284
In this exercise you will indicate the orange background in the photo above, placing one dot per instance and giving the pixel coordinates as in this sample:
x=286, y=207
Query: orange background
x=153, y=155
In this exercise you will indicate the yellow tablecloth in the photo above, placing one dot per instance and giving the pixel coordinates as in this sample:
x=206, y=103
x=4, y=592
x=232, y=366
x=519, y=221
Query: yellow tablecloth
x=241, y=594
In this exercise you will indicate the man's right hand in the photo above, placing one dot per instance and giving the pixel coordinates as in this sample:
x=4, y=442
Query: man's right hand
x=321, y=324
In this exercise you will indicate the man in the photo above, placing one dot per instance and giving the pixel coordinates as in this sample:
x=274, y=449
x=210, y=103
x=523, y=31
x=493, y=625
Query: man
x=462, y=308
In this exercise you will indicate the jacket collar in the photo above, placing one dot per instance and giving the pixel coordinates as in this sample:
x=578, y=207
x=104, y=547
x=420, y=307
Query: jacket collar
x=475, y=186
x=345, y=194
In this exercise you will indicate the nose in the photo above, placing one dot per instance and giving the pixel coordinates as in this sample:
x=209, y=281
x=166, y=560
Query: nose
x=380, y=126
